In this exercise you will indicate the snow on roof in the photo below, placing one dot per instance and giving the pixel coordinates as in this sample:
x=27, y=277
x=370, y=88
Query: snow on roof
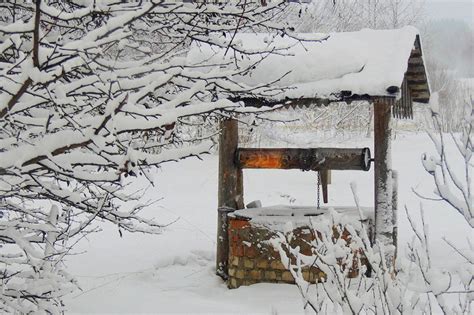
x=366, y=62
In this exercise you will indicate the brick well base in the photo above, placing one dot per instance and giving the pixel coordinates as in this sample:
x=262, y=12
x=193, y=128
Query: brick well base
x=253, y=260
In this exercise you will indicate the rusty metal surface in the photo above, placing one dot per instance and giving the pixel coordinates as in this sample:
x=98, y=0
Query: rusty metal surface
x=316, y=159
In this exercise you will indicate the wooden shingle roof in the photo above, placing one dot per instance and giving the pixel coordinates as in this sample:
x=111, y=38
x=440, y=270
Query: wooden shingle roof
x=347, y=66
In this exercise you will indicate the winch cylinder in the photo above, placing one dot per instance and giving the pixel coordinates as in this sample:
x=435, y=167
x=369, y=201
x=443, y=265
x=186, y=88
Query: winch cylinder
x=315, y=159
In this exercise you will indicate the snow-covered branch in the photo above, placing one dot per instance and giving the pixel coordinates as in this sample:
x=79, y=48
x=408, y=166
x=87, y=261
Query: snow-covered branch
x=418, y=286
x=452, y=169
x=93, y=92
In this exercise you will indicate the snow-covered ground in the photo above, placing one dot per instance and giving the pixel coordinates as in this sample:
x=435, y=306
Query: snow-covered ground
x=174, y=272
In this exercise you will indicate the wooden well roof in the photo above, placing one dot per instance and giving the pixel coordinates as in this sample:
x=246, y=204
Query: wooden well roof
x=346, y=66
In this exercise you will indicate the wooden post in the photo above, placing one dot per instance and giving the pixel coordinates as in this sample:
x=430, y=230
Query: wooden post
x=382, y=177
x=230, y=175
x=395, y=210
x=230, y=191
x=222, y=253
x=325, y=181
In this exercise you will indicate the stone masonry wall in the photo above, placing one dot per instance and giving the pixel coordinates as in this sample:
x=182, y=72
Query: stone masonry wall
x=252, y=260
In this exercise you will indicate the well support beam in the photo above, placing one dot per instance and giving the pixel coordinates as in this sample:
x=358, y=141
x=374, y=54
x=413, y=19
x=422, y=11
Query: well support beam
x=325, y=180
x=306, y=159
x=395, y=210
x=383, y=178
x=230, y=191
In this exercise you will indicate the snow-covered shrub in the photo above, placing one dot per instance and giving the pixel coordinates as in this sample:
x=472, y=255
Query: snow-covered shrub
x=92, y=92
x=416, y=284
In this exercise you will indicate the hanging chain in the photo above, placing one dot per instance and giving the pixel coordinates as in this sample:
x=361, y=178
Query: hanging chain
x=318, y=198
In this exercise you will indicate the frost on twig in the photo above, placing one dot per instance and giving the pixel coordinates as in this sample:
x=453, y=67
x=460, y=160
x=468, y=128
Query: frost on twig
x=418, y=286
x=451, y=166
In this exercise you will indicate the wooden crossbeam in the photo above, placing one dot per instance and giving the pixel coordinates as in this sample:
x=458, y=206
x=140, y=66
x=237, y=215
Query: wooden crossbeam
x=315, y=159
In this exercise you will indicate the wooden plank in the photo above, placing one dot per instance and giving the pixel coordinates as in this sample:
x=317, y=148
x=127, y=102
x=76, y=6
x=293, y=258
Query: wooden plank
x=222, y=250
x=286, y=103
x=395, y=209
x=417, y=77
x=325, y=180
x=414, y=73
x=415, y=60
x=230, y=191
x=382, y=176
x=416, y=53
x=343, y=96
x=409, y=100
x=422, y=97
x=230, y=176
x=417, y=83
x=421, y=100
x=404, y=106
x=408, y=108
x=419, y=88
x=305, y=159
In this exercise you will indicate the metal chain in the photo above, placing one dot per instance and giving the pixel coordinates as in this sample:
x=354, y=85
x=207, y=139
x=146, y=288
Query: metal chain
x=318, y=198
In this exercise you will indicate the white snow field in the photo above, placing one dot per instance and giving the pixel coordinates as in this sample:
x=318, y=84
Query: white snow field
x=174, y=272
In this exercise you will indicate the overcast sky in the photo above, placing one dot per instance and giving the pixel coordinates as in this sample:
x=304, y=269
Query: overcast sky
x=451, y=9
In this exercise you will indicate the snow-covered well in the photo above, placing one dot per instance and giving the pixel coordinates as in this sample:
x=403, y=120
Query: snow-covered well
x=253, y=258
x=384, y=67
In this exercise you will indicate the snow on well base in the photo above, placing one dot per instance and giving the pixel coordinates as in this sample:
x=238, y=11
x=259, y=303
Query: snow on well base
x=253, y=258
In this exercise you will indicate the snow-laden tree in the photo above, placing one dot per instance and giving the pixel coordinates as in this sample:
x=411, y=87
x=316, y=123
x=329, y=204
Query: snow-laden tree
x=92, y=92
x=352, y=15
